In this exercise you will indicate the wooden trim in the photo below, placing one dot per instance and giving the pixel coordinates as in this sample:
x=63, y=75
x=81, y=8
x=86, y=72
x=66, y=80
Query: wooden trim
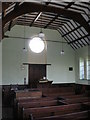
x=34, y=64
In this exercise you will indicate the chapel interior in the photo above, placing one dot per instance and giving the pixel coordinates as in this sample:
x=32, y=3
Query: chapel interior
x=45, y=60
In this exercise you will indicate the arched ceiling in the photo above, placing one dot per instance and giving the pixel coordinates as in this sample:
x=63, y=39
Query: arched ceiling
x=70, y=19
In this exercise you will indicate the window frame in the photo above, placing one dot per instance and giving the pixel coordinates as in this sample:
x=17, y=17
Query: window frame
x=85, y=69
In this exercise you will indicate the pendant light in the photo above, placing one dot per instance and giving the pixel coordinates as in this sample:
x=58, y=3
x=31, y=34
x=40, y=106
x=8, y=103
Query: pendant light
x=62, y=51
x=37, y=43
x=41, y=34
x=24, y=48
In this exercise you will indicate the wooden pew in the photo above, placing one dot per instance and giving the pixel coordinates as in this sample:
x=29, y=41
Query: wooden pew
x=76, y=100
x=33, y=102
x=28, y=93
x=57, y=91
x=26, y=105
x=38, y=104
x=30, y=99
x=72, y=116
x=50, y=111
x=86, y=105
x=59, y=94
x=72, y=96
x=64, y=97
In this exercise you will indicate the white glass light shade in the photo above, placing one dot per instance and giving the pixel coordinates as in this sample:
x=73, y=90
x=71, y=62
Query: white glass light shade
x=24, y=49
x=62, y=52
x=42, y=35
x=36, y=44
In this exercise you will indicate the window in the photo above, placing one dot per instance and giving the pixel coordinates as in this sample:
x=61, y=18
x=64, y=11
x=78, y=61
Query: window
x=81, y=69
x=88, y=69
x=84, y=69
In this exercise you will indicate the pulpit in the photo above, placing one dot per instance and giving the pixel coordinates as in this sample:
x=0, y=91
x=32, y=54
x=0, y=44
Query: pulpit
x=44, y=84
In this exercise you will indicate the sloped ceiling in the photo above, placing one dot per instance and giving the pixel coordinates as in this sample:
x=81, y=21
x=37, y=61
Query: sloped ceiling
x=70, y=19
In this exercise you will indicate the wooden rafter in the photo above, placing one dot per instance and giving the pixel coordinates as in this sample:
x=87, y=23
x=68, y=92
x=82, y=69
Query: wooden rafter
x=39, y=14
x=10, y=24
x=69, y=5
x=66, y=7
x=30, y=7
x=78, y=39
x=5, y=5
x=71, y=31
x=61, y=32
x=35, y=19
x=70, y=24
x=51, y=21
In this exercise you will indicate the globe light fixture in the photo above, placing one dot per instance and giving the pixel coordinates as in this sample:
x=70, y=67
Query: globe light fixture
x=41, y=35
x=36, y=45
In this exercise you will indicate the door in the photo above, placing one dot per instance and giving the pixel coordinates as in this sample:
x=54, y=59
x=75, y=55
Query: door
x=36, y=72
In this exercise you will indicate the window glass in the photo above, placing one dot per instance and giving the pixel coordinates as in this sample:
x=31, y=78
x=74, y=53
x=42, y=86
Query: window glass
x=88, y=69
x=81, y=68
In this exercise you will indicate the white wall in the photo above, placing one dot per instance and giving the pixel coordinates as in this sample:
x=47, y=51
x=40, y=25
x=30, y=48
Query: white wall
x=81, y=53
x=59, y=70
x=13, y=57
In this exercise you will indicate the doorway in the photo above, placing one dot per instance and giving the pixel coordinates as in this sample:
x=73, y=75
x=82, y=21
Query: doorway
x=35, y=73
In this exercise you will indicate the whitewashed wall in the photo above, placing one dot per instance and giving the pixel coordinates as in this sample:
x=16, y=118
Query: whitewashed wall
x=13, y=57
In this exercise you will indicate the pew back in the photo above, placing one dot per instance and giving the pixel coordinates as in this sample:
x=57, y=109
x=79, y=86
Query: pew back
x=30, y=99
x=71, y=116
x=38, y=104
x=76, y=100
x=28, y=93
x=50, y=111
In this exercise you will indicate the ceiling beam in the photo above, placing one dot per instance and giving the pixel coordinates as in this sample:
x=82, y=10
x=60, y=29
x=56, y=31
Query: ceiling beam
x=10, y=24
x=69, y=5
x=51, y=21
x=71, y=31
x=78, y=39
x=16, y=5
x=29, y=7
x=61, y=32
x=37, y=16
x=5, y=5
x=66, y=7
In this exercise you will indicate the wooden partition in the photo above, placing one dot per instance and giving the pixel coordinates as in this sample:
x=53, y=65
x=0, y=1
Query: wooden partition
x=57, y=91
x=28, y=93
